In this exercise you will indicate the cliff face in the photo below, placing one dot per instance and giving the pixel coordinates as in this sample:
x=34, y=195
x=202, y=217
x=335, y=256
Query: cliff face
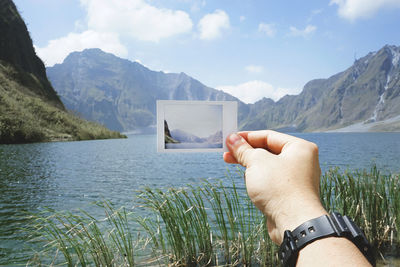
x=366, y=93
x=30, y=110
x=167, y=134
x=16, y=49
x=122, y=94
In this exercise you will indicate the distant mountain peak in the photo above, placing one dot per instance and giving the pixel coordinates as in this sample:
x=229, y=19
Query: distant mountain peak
x=89, y=52
x=394, y=53
x=122, y=94
x=119, y=93
x=366, y=92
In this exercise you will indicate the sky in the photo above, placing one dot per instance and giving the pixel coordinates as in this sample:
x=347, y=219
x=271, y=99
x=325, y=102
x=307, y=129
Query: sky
x=250, y=49
x=200, y=120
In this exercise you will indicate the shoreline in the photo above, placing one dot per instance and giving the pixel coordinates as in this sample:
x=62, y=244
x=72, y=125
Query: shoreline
x=367, y=127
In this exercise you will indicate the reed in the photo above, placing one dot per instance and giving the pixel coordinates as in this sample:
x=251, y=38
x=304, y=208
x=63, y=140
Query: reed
x=208, y=225
x=372, y=198
x=81, y=240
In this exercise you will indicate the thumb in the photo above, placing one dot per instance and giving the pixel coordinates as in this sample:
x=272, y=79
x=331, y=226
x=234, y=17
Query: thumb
x=239, y=149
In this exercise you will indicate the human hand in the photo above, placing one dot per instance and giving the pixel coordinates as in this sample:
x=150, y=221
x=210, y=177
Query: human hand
x=282, y=177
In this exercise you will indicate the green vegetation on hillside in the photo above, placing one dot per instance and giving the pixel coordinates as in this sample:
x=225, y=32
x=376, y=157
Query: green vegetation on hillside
x=208, y=225
x=16, y=49
x=26, y=117
x=30, y=109
x=167, y=134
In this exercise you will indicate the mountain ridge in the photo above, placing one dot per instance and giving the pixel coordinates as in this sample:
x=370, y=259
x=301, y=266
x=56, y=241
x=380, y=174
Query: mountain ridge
x=348, y=97
x=114, y=90
x=120, y=93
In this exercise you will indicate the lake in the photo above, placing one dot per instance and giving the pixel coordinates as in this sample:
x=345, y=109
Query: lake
x=71, y=175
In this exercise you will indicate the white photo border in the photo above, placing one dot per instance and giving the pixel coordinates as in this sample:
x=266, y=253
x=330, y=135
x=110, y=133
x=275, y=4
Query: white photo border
x=229, y=123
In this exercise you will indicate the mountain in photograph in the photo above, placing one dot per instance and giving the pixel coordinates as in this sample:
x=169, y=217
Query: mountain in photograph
x=365, y=97
x=185, y=137
x=167, y=134
x=30, y=109
x=215, y=138
x=122, y=94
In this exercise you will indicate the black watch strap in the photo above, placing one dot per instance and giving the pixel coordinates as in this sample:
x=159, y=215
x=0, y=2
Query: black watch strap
x=322, y=227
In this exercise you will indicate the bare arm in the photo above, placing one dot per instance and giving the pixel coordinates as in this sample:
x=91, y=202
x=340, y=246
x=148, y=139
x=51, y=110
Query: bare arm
x=282, y=180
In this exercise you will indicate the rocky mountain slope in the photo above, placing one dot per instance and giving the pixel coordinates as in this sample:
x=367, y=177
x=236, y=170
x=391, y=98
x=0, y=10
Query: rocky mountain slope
x=16, y=49
x=30, y=109
x=122, y=94
x=365, y=93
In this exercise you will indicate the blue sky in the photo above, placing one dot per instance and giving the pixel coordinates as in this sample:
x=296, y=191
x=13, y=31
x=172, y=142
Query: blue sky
x=251, y=49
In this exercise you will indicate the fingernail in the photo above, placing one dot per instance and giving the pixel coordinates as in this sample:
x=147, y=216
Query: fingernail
x=233, y=139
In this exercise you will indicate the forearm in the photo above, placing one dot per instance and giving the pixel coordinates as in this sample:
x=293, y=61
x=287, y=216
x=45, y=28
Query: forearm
x=332, y=251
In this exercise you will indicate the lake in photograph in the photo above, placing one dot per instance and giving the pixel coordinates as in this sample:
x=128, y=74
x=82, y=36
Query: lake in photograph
x=72, y=175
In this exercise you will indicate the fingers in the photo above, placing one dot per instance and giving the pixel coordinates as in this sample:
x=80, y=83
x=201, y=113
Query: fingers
x=239, y=150
x=270, y=140
x=229, y=158
x=242, y=144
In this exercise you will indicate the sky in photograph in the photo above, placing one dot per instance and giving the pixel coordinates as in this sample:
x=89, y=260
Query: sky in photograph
x=251, y=49
x=200, y=120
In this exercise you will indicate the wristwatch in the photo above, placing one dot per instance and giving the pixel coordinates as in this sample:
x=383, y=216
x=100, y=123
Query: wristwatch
x=334, y=225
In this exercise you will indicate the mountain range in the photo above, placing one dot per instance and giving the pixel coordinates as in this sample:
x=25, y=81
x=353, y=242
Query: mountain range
x=185, y=137
x=121, y=94
x=366, y=94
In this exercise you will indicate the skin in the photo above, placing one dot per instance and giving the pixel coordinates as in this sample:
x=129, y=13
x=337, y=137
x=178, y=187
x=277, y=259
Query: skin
x=282, y=180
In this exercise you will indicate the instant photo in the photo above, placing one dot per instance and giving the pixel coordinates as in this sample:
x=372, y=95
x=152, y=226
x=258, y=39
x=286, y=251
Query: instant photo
x=194, y=126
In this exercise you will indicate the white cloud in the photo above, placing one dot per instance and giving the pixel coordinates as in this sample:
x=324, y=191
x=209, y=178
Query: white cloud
x=354, y=9
x=268, y=29
x=211, y=26
x=107, y=21
x=56, y=50
x=309, y=29
x=242, y=18
x=254, y=69
x=136, y=18
x=253, y=91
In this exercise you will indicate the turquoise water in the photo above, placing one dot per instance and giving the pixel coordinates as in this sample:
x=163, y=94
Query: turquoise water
x=71, y=175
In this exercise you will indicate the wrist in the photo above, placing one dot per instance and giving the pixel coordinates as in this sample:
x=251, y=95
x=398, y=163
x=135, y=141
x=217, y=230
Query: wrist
x=320, y=230
x=295, y=215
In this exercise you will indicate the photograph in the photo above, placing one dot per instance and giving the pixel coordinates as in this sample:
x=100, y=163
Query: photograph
x=191, y=126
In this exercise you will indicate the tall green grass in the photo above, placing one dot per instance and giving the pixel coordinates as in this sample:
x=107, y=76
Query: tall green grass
x=372, y=198
x=81, y=240
x=208, y=225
